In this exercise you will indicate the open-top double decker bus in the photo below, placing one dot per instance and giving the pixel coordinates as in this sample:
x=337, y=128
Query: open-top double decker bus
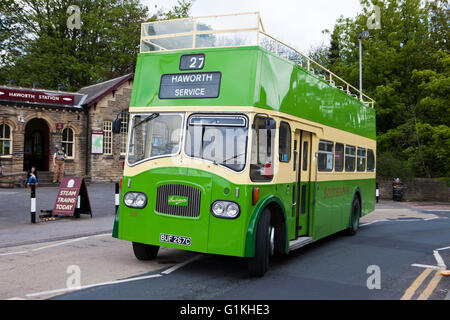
x=239, y=145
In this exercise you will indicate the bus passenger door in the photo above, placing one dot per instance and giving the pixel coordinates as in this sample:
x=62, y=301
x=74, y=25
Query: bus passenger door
x=303, y=182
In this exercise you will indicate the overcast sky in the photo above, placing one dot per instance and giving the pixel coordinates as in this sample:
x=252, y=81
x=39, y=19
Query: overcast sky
x=298, y=23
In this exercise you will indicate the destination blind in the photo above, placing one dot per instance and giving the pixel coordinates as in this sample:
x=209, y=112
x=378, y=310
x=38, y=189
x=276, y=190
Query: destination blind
x=190, y=85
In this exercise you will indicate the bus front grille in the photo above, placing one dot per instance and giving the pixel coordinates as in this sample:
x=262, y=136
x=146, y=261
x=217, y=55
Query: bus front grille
x=178, y=200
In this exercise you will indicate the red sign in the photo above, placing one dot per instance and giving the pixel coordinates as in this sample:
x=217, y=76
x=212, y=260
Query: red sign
x=36, y=96
x=67, y=201
x=59, y=126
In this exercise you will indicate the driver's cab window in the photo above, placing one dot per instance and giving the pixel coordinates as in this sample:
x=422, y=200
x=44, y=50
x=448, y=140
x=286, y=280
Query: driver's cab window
x=262, y=164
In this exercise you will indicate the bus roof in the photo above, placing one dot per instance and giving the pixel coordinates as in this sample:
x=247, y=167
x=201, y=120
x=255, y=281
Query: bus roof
x=233, y=30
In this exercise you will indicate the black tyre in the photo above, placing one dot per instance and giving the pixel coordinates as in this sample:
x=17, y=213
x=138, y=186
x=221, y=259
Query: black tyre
x=145, y=251
x=258, y=265
x=354, y=217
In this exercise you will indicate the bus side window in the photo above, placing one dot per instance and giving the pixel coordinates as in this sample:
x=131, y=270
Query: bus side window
x=361, y=160
x=350, y=158
x=284, y=152
x=325, y=159
x=370, y=160
x=261, y=165
x=339, y=157
x=305, y=155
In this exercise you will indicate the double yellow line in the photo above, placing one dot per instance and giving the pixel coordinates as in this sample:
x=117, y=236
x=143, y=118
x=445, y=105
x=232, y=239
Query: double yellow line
x=409, y=293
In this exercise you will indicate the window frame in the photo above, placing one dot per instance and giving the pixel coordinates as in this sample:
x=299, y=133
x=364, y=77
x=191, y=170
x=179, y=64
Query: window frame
x=259, y=178
x=68, y=142
x=124, y=127
x=10, y=139
x=367, y=160
x=342, y=157
x=288, y=146
x=353, y=156
x=319, y=152
x=107, y=138
x=364, y=157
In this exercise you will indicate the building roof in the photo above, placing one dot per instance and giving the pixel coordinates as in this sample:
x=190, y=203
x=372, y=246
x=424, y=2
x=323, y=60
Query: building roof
x=97, y=91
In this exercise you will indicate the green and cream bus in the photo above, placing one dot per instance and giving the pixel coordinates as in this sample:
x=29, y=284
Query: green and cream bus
x=239, y=145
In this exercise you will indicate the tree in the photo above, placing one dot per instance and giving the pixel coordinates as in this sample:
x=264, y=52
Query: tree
x=37, y=45
x=406, y=70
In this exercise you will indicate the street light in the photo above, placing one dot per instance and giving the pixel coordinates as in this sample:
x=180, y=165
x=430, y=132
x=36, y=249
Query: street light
x=362, y=36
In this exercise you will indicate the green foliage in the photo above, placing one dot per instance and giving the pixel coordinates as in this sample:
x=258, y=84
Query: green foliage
x=37, y=46
x=406, y=70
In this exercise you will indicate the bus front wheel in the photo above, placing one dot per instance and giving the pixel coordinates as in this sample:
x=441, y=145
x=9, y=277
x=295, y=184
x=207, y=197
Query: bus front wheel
x=354, y=217
x=258, y=265
x=145, y=251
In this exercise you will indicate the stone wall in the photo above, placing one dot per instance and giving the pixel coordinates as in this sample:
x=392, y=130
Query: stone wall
x=74, y=119
x=417, y=189
x=109, y=167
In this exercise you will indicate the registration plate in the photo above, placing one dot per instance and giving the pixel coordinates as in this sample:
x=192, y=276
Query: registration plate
x=185, y=241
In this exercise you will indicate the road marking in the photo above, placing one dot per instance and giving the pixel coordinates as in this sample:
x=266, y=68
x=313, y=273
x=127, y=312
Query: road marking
x=10, y=253
x=431, y=286
x=428, y=219
x=44, y=293
x=442, y=248
x=426, y=266
x=439, y=260
x=177, y=266
x=16, y=298
x=59, y=244
x=102, y=235
x=416, y=284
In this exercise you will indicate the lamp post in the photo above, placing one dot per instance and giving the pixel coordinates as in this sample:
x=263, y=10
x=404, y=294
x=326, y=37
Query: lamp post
x=362, y=36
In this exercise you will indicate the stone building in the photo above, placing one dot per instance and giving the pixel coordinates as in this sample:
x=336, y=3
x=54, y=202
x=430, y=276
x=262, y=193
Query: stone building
x=34, y=121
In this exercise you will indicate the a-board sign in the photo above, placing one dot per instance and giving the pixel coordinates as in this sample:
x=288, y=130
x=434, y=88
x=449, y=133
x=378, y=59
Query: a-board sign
x=66, y=203
x=190, y=85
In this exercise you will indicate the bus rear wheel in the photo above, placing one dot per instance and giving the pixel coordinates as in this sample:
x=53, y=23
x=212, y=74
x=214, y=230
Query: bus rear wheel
x=145, y=251
x=258, y=265
x=354, y=217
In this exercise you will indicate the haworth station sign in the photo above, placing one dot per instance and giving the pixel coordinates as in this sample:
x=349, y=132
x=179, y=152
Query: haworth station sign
x=36, y=96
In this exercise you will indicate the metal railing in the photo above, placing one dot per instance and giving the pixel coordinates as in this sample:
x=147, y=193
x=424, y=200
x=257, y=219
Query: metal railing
x=220, y=31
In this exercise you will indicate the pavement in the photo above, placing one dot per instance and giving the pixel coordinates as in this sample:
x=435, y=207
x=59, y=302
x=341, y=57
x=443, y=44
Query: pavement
x=15, y=222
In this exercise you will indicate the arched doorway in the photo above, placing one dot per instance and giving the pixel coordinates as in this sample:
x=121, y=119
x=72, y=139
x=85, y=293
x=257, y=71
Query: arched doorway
x=36, y=146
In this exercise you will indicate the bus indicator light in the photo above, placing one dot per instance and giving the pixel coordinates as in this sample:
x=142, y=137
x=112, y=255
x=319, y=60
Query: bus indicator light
x=255, y=196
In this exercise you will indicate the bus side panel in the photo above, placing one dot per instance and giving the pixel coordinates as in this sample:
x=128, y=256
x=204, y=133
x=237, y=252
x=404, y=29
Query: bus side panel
x=333, y=204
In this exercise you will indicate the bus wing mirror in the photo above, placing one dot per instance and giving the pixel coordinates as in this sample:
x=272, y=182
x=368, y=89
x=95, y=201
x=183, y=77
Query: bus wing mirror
x=117, y=124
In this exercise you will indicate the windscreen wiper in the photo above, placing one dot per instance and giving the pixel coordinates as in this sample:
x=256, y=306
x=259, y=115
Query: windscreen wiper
x=150, y=117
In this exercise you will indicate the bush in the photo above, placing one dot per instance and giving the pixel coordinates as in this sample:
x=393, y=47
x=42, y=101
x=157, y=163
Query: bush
x=389, y=166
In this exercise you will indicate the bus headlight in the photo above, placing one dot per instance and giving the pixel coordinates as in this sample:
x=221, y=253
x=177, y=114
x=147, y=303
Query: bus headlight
x=135, y=200
x=225, y=209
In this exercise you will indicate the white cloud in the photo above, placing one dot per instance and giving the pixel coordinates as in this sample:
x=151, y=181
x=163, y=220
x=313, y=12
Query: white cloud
x=298, y=23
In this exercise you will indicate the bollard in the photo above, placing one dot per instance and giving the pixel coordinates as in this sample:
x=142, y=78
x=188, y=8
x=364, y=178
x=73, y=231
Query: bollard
x=33, y=203
x=117, y=199
x=377, y=192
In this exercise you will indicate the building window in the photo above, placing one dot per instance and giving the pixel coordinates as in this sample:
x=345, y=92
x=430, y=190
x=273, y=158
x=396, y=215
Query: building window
x=339, y=157
x=107, y=137
x=350, y=157
x=5, y=139
x=325, y=156
x=361, y=160
x=124, y=116
x=370, y=160
x=68, y=142
x=285, y=142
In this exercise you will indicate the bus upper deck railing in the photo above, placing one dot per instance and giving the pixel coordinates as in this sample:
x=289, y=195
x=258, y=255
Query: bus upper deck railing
x=233, y=30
